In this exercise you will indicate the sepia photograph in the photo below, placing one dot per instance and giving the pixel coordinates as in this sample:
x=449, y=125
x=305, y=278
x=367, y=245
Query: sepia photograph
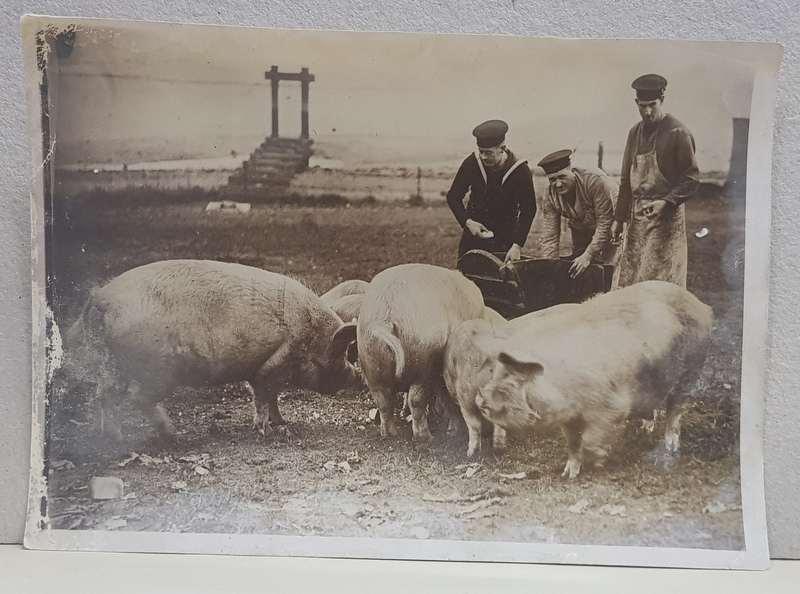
x=394, y=295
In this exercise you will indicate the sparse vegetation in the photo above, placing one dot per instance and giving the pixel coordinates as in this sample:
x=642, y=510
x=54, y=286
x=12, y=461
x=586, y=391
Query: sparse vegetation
x=386, y=488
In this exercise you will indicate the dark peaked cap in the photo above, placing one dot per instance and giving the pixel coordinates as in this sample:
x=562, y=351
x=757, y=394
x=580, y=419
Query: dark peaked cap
x=491, y=133
x=556, y=161
x=649, y=87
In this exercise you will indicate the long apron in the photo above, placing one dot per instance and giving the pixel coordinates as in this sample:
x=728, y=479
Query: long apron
x=652, y=249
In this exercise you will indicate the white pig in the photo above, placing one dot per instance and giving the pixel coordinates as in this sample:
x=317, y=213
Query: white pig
x=199, y=323
x=343, y=289
x=618, y=355
x=467, y=368
x=348, y=307
x=407, y=314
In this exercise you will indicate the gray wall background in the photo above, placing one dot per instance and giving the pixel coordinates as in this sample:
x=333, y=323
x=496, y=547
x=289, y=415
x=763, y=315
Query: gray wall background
x=765, y=20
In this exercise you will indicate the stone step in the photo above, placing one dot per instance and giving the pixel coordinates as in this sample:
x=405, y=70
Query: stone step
x=241, y=180
x=264, y=170
x=275, y=162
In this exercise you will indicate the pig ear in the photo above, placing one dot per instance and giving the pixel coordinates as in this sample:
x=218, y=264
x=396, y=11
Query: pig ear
x=343, y=337
x=520, y=362
x=489, y=346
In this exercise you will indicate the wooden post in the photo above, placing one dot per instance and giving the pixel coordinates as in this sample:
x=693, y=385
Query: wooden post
x=737, y=173
x=305, y=79
x=275, y=81
x=600, y=155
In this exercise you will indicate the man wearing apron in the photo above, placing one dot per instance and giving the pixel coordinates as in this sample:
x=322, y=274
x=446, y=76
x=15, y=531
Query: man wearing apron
x=585, y=198
x=501, y=205
x=659, y=173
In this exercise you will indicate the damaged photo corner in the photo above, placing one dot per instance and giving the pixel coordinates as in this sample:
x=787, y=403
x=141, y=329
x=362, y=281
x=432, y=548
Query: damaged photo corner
x=317, y=293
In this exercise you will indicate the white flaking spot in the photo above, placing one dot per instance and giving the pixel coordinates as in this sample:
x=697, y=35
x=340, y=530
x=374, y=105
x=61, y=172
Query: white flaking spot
x=54, y=346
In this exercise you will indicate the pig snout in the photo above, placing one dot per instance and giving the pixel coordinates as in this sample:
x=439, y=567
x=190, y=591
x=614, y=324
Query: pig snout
x=505, y=410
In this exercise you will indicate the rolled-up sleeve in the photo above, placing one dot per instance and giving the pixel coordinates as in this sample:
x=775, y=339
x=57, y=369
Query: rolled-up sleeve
x=551, y=228
x=601, y=192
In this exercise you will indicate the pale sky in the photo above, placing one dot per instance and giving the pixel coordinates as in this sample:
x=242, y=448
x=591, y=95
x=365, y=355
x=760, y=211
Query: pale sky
x=195, y=84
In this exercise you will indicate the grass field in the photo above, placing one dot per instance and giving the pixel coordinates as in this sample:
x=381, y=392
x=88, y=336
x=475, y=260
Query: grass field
x=299, y=484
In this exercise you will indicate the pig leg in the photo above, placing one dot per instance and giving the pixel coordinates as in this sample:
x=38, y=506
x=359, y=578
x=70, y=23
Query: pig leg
x=110, y=398
x=573, y=432
x=265, y=402
x=675, y=408
x=405, y=410
x=385, y=401
x=595, y=439
x=108, y=394
x=266, y=384
x=474, y=426
x=418, y=401
x=498, y=438
x=648, y=424
x=452, y=410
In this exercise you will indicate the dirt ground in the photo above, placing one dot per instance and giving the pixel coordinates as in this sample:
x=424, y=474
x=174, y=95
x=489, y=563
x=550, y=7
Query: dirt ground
x=332, y=474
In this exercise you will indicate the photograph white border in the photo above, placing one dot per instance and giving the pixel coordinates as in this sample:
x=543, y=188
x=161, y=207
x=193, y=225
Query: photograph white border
x=755, y=335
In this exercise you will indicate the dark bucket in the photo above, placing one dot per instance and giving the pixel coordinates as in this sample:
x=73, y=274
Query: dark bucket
x=531, y=284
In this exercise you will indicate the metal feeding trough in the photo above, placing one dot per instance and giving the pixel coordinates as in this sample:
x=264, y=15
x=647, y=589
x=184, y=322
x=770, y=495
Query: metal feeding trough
x=531, y=284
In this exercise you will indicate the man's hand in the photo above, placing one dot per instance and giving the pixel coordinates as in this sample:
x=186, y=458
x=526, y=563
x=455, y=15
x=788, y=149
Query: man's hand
x=478, y=229
x=580, y=264
x=654, y=209
x=513, y=254
x=616, y=232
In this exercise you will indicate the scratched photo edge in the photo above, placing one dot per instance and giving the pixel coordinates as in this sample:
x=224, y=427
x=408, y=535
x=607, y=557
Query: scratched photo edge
x=755, y=554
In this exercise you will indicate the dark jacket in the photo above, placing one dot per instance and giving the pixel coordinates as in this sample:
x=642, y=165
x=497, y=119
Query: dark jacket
x=675, y=151
x=503, y=201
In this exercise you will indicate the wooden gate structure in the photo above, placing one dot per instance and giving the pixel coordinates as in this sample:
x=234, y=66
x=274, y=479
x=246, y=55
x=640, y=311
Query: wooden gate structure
x=271, y=167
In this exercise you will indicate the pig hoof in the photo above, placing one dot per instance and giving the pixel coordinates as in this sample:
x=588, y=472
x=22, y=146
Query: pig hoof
x=423, y=437
x=572, y=469
x=264, y=429
x=663, y=458
x=283, y=432
x=388, y=429
x=672, y=442
x=499, y=450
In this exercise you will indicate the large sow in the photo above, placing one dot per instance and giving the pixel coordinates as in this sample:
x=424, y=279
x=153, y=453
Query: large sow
x=618, y=355
x=203, y=323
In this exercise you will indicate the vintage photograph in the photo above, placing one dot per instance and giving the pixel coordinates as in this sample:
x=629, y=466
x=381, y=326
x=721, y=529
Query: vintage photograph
x=396, y=295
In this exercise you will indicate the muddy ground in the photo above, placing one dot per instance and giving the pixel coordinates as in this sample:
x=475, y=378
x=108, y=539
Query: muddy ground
x=332, y=474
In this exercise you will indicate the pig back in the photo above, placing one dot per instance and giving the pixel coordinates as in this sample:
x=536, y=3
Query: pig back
x=418, y=304
x=640, y=341
x=344, y=289
x=348, y=307
x=192, y=321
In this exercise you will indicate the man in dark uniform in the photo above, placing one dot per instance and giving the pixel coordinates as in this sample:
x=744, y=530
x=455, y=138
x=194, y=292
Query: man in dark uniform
x=659, y=173
x=501, y=205
x=585, y=198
